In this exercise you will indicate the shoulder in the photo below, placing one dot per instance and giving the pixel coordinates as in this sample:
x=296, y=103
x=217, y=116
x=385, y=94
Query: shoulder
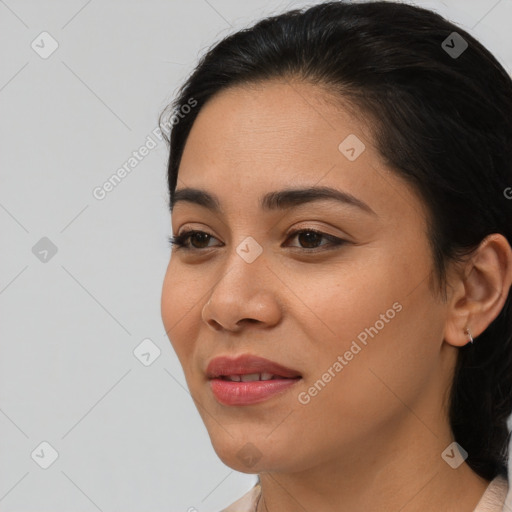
x=247, y=503
x=494, y=497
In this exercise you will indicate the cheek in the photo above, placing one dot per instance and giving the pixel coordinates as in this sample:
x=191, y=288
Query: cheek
x=180, y=303
x=379, y=318
x=348, y=300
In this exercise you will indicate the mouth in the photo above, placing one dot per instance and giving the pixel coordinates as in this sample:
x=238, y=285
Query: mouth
x=248, y=368
x=248, y=379
x=251, y=377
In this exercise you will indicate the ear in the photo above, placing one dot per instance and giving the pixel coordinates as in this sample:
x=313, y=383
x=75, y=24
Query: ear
x=480, y=290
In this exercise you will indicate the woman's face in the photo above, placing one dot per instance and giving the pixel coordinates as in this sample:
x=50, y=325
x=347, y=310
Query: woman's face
x=357, y=320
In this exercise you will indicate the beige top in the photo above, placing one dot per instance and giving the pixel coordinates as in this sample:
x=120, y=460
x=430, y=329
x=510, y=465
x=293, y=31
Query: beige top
x=492, y=500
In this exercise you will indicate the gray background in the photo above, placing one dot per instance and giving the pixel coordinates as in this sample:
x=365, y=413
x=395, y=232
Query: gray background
x=128, y=436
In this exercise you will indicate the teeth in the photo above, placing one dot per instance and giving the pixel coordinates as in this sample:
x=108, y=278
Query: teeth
x=235, y=378
x=250, y=377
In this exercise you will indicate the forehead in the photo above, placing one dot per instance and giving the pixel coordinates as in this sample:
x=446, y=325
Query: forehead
x=264, y=119
x=269, y=132
x=252, y=139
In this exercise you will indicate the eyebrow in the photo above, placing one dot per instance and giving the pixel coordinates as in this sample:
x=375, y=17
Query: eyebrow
x=278, y=200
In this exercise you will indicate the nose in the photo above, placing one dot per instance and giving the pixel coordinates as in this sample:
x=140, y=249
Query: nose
x=247, y=293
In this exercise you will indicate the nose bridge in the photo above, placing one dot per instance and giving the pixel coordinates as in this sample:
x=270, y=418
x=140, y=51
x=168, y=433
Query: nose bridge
x=245, y=262
x=242, y=290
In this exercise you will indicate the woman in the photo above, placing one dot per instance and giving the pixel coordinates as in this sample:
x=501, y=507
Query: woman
x=338, y=292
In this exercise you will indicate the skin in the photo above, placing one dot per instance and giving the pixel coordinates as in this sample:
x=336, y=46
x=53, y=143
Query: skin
x=372, y=438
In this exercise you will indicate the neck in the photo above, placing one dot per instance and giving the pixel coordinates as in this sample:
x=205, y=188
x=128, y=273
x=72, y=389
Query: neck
x=400, y=470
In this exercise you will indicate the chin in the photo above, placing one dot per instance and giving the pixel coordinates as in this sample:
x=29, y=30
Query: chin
x=249, y=454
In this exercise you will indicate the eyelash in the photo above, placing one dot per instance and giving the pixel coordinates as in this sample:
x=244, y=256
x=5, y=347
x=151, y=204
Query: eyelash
x=180, y=241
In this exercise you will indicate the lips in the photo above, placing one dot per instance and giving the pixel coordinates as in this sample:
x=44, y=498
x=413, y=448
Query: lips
x=248, y=380
x=250, y=366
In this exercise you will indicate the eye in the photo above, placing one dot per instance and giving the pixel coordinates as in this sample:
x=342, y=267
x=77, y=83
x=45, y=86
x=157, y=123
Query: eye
x=310, y=237
x=182, y=241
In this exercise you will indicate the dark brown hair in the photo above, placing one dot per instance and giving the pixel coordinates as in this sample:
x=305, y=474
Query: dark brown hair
x=441, y=121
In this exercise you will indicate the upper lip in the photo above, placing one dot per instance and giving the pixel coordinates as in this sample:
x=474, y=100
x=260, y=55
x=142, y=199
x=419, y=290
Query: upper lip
x=245, y=364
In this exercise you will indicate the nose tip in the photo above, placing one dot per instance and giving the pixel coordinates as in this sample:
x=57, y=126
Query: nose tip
x=238, y=303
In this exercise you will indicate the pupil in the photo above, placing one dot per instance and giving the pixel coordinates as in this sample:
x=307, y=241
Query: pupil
x=196, y=236
x=310, y=236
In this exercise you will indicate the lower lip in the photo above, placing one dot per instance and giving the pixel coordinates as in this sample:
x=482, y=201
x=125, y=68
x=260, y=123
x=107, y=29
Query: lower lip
x=229, y=392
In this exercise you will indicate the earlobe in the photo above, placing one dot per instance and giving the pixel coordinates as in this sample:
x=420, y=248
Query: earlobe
x=458, y=333
x=480, y=292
